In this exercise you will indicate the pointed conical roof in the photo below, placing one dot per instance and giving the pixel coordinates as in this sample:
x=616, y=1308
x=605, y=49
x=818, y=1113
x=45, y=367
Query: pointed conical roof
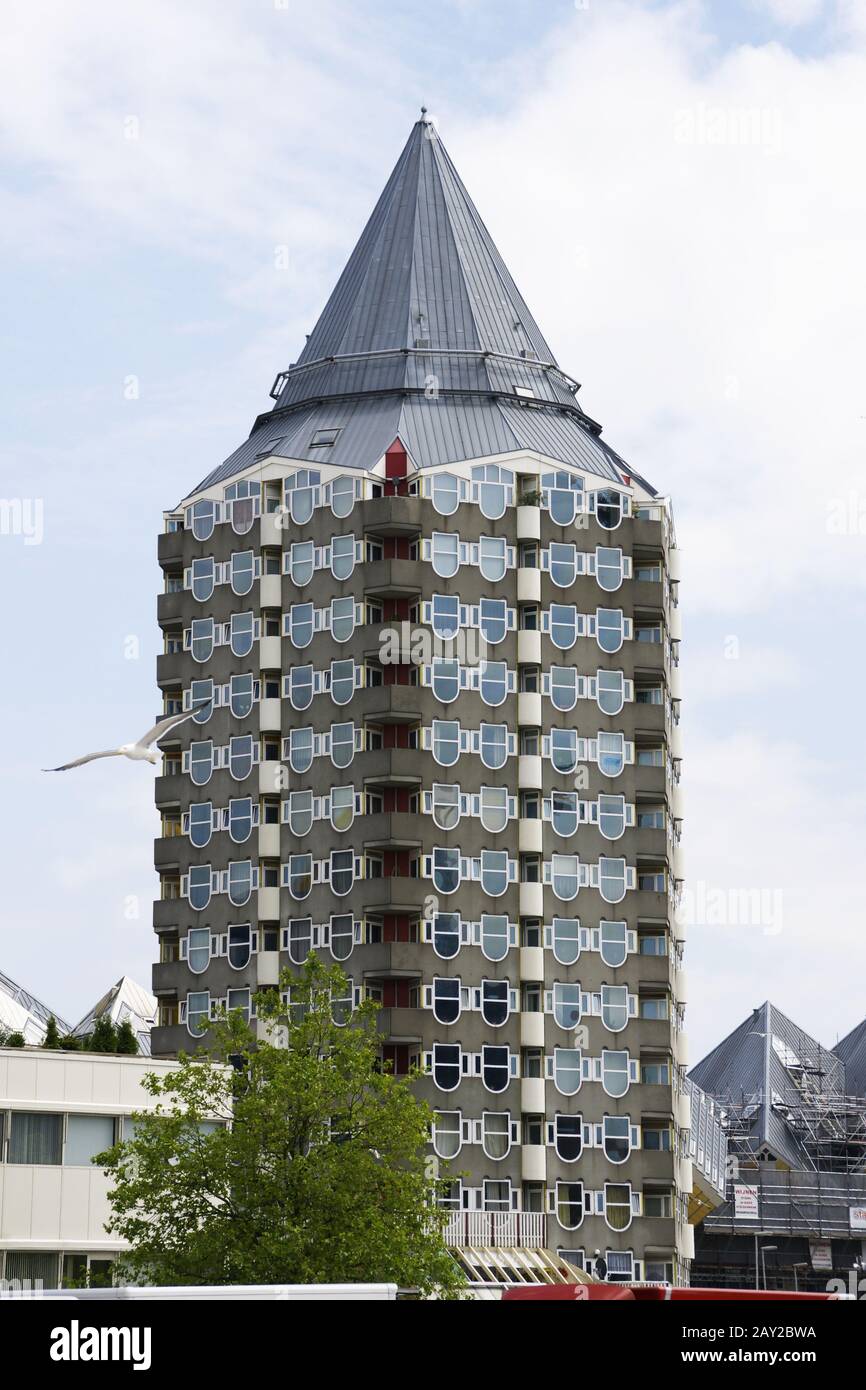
x=425, y=338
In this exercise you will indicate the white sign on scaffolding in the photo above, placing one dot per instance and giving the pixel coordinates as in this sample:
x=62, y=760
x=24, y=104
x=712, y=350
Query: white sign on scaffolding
x=745, y=1201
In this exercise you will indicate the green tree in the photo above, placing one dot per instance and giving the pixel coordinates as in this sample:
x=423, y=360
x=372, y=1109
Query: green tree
x=52, y=1034
x=127, y=1042
x=320, y=1176
x=104, y=1036
x=12, y=1039
x=70, y=1043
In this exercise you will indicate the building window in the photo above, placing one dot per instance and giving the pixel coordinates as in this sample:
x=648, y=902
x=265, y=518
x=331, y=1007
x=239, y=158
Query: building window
x=655, y=1072
x=657, y=1203
x=608, y=508
x=492, y=557
x=200, y=823
x=301, y=686
x=240, y=882
x=301, y=749
x=609, y=629
x=608, y=568
x=566, y=939
x=198, y=949
x=299, y=812
x=240, y=819
x=563, y=749
x=203, y=518
x=203, y=577
x=342, y=871
x=300, y=875
x=617, y=1205
x=494, y=682
x=494, y=745
x=497, y=1195
x=611, y=879
x=447, y=1133
x=563, y=625
x=569, y=1204
x=342, y=936
x=564, y=812
x=241, y=756
x=446, y=999
x=494, y=872
x=445, y=493
x=494, y=1002
x=611, y=816
x=447, y=1065
x=563, y=564
x=241, y=633
x=611, y=754
x=495, y=1067
x=614, y=1072
x=567, y=1070
x=617, y=1137
x=496, y=1133
x=34, y=1138
x=300, y=939
x=342, y=618
x=197, y=1012
x=446, y=870
x=568, y=1137
x=566, y=1005
x=445, y=554
x=342, y=495
x=342, y=744
x=563, y=688
x=199, y=890
x=202, y=639
x=493, y=619
x=446, y=741
x=342, y=681
x=494, y=936
x=610, y=691
x=241, y=694
x=445, y=679
x=613, y=943
x=565, y=876
x=301, y=562
x=243, y=572
x=446, y=805
x=446, y=934
x=445, y=616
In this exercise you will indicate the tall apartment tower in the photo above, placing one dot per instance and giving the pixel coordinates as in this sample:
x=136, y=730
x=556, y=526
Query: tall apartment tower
x=433, y=616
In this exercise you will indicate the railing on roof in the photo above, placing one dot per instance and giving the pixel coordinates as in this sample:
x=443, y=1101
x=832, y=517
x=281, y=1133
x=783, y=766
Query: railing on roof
x=497, y=1228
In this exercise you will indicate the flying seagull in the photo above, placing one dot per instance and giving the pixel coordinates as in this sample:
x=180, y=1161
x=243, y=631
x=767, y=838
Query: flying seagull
x=140, y=751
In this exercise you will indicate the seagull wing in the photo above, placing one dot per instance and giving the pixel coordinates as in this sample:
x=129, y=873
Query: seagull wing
x=156, y=733
x=88, y=758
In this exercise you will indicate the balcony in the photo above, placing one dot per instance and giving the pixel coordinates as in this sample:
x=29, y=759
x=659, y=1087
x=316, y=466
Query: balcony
x=170, y=668
x=391, y=578
x=393, y=516
x=497, y=1228
x=170, y=548
x=170, y=608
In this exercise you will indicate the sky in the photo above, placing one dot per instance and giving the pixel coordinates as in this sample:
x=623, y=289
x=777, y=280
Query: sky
x=677, y=189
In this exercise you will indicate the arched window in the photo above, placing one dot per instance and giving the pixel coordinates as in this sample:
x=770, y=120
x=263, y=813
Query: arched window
x=568, y=1137
x=300, y=939
x=447, y=1133
x=494, y=809
x=300, y=812
x=243, y=571
x=240, y=946
x=201, y=639
x=447, y=1065
x=617, y=1138
x=342, y=556
x=563, y=749
x=563, y=687
x=342, y=744
x=566, y=939
x=342, y=681
x=563, y=625
x=495, y=1067
x=494, y=872
x=241, y=756
x=564, y=812
x=565, y=876
x=569, y=1204
x=445, y=679
x=608, y=568
x=494, y=489
x=611, y=816
x=445, y=616
x=496, y=1133
x=567, y=1070
x=494, y=682
x=446, y=870
x=609, y=629
x=203, y=578
x=342, y=871
x=200, y=880
x=445, y=553
x=343, y=495
x=240, y=882
x=342, y=936
x=241, y=694
x=614, y=1007
x=611, y=879
x=446, y=934
x=300, y=749
x=446, y=999
x=494, y=936
x=492, y=557
x=493, y=619
x=342, y=618
x=201, y=690
x=241, y=633
x=342, y=808
x=617, y=1205
x=566, y=1005
x=302, y=559
x=300, y=624
x=203, y=518
x=197, y=1012
x=614, y=1072
x=614, y=943
x=494, y=745
x=301, y=494
x=201, y=762
x=445, y=493
x=446, y=741
x=198, y=949
x=240, y=819
x=446, y=805
x=610, y=691
x=300, y=875
x=563, y=564
x=608, y=508
x=200, y=823
x=611, y=754
x=494, y=1002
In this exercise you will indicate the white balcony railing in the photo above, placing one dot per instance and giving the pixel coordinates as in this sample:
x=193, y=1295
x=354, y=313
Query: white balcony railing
x=496, y=1228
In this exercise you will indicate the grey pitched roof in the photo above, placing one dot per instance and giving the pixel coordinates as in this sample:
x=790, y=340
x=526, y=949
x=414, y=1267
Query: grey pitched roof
x=852, y=1051
x=425, y=338
x=768, y=1057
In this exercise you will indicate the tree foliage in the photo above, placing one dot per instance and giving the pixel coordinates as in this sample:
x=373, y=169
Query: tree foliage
x=315, y=1171
x=52, y=1034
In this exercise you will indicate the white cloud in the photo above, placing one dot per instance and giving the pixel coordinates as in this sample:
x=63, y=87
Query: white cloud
x=791, y=13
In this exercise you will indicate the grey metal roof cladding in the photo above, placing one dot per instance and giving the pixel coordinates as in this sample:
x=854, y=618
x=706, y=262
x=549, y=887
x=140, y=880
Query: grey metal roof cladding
x=852, y=1051
x=425, y=337
x=748, y=1063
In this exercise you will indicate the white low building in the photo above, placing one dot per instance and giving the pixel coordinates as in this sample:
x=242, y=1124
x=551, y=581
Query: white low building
x=58, y=1109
